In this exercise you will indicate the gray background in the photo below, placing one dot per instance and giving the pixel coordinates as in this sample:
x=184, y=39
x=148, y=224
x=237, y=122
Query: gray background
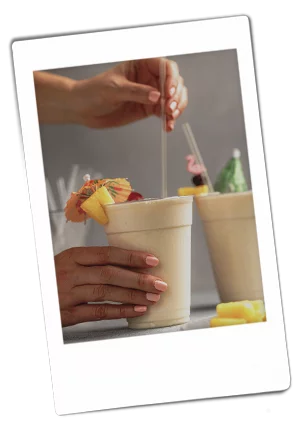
x=215, y=114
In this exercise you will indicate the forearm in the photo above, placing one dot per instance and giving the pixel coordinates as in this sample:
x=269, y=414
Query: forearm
x=54, y=98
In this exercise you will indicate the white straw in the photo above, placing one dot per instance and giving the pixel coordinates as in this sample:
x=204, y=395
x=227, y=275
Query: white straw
x=164, y=192
x=72, y=179
x=195, y=151
x=62, y=191
x=51, y=200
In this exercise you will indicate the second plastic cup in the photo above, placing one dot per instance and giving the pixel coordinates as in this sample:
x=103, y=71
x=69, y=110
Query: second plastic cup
x=230, y=231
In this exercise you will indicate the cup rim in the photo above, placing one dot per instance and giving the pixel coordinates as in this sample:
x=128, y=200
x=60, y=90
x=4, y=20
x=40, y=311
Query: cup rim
x=180, y=199
x=223, y=195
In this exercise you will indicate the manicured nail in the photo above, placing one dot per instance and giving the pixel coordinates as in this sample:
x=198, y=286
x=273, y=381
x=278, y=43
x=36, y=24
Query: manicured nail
x=152, y=297
x=171, y=125
x=172, y=91
x=160, y=285
x=176, y=113
x=140, y=308
x=173, y=105
x=154, y=96
x=152, y=261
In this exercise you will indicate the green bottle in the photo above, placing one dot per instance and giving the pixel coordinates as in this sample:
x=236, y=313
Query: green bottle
x=231, y=179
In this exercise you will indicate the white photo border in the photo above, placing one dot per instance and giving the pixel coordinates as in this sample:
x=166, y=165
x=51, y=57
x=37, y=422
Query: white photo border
x=164, y=367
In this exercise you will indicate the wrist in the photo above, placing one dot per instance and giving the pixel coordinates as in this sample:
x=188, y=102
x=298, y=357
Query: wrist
x=54, y=96
x=64, y=100
x=74, y=101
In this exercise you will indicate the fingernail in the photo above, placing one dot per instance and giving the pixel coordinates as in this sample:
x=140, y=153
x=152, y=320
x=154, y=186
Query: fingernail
x=176, y=113
x=160, y=285
x=173, y=105
x=154, y=96
x=172, y=91
x=152, y=297
x=152, y=261
x=140, y=308
x=171, y=125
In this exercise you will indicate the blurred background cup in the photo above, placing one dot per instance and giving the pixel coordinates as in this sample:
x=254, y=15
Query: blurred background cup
x=66, y=235
x=230, y=231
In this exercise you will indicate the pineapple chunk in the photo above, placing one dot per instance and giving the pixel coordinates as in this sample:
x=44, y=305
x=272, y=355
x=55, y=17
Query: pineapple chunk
x=260, y=312
x=93, y=205
x=191, y=191
x=248, y=311
x=237, y=309
x=259, y=307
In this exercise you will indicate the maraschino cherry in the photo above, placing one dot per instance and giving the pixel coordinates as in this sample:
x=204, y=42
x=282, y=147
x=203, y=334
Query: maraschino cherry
x=134, y=195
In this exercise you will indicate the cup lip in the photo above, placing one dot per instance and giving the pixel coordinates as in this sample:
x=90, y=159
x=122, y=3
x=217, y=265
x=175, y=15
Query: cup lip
x=223, y=195
x=179, y=199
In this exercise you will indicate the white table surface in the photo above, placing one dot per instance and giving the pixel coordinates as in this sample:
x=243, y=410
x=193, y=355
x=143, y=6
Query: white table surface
x=200, y=314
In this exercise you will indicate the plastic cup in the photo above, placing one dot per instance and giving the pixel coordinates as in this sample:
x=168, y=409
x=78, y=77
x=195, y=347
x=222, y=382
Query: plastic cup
x=230, y=231
x=161, y=227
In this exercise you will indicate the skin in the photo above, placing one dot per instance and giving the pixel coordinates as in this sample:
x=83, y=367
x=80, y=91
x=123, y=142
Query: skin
x=124, y=94
x=105, y=274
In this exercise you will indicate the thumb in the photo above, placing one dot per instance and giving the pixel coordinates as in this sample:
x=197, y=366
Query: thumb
x=135, y=92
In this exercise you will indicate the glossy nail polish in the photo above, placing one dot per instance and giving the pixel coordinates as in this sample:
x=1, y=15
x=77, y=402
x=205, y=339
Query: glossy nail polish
x=173, y=105
x=152, y=261
x=160, y=285
x=140, y=308
x=154, y=96
x=152, y=297
x=176, y=113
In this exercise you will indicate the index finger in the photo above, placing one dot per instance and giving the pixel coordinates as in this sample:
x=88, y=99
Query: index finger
x=113, y=256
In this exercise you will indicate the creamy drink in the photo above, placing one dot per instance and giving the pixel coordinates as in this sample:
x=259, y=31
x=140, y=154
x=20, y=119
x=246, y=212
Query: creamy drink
x=161, y=227
x=230, y=230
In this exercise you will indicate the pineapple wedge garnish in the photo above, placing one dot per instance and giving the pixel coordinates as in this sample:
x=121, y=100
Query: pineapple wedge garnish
x=93, y=206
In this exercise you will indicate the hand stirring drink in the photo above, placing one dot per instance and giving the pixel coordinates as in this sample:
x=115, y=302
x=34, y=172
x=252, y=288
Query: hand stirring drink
x=161, y=227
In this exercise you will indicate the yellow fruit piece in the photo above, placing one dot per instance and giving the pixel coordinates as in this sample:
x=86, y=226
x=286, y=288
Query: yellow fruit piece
x=201, y=189
x=237, y=309
x=93, y=205
x=191, y=191
x=259, y=306
x=260, y=312
x=251, y=311
x=220, y=322
x=256, y=318
x=186, y=191
x=103, y=196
